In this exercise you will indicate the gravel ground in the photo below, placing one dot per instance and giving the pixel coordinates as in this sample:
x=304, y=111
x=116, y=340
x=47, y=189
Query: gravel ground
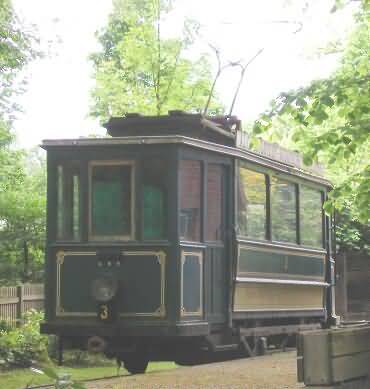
x=274, y=371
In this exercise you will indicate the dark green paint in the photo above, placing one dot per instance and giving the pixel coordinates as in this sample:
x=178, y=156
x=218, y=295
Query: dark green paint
x=253, y=261
x=191, y=284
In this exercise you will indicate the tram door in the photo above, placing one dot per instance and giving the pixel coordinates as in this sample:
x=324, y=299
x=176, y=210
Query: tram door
x=216, y=227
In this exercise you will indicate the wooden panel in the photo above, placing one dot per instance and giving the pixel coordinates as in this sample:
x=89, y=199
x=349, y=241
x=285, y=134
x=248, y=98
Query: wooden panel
x=142, y=276
x=351, y=340
x=317, y=370
x=334, y=356
x=73, y=289
x=348, y=367
x=255, y=296
x=191, y=283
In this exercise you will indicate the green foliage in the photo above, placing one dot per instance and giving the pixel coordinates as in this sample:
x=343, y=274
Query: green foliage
x=22, y=180
x=22, y=217
x=138, y=70
x=20, y=347
x=329, y=121
x=17, y=48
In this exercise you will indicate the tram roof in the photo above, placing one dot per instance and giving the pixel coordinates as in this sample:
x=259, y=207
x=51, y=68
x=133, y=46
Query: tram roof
x=220, y=134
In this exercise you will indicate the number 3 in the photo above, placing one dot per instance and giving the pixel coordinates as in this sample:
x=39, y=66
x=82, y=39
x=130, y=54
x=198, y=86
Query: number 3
x=104, y=312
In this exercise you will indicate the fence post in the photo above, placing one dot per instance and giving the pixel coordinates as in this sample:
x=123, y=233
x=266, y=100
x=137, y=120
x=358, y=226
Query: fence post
x=19, y=305
x=345, y=286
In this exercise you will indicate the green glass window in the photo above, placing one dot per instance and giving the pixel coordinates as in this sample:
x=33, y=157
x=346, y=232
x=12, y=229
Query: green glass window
x=310, y=216
x=111, y=200
x=190, y=189
x=283, y=210
x=252, y=204
x=154, y=198
x=68, y=201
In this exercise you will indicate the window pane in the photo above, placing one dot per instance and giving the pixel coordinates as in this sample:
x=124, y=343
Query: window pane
x=190, y=189
x=252, y=204
x=311, y=216
x=154, y=198
x=214, y=202
x=111, y=200
x=283, y=210
x=68, y=201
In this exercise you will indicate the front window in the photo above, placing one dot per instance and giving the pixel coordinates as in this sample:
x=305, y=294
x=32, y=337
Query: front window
x=190, y=190
x=154, y=178
x=68, y=201
x=111, y=200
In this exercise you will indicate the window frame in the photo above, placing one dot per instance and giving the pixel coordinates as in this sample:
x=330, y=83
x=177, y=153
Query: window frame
x=223, y=194
x=201, y=199
x=62, y=163
x=269, y=174
x=131, y=236
x=322, y=197
x=166, y=207
x=296, y=211
x=267, y=202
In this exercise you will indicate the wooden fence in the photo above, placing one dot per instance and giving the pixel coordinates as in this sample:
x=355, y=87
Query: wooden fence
x=16, y=300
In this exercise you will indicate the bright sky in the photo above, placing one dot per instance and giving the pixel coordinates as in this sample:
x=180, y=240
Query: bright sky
x=56, y=104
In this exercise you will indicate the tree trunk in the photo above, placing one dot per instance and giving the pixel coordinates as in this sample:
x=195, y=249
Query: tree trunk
x=26, y=262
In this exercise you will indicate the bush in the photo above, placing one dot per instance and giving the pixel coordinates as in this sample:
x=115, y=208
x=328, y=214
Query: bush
x=4, y=326
x=21, y=347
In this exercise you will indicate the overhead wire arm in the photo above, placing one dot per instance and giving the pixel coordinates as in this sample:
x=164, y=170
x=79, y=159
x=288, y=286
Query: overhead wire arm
x=243, y=69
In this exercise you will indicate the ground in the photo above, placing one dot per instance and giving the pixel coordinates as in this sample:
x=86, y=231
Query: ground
x=274, y=371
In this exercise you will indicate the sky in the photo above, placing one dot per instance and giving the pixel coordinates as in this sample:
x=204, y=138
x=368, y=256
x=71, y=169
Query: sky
x=56, y=103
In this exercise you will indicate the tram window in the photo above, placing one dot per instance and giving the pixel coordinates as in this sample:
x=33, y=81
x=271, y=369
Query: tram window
x=111, y=200
x=310, y=216
x=283, y=210
x=68, y=201
x=252, y=204
x=154, y=198
x=190, y=190
x=214, y=202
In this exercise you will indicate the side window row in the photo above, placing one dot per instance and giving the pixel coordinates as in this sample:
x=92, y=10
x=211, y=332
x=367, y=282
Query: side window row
x=253, y=196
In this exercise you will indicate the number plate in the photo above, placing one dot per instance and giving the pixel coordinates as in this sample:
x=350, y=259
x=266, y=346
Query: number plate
x=106, y=312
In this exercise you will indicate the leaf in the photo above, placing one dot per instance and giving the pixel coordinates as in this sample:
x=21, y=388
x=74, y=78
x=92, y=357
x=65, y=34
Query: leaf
x=307, y=160
x=327, y=100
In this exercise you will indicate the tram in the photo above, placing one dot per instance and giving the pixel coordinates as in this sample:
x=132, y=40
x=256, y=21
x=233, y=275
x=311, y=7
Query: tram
x=169, y=239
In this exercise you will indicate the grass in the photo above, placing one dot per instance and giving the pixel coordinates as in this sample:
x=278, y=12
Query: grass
x=21, y=378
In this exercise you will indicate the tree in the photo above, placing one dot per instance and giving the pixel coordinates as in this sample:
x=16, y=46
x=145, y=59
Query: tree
x=329, y=121
x=18, y=46
x=22, y=216
x=22, y=183
x=138, y=70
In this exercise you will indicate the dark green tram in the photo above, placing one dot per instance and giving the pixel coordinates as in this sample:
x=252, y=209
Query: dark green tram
x=169, y=240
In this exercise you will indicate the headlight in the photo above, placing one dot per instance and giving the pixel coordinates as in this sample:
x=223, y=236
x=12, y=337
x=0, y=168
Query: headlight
x=104, y=289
